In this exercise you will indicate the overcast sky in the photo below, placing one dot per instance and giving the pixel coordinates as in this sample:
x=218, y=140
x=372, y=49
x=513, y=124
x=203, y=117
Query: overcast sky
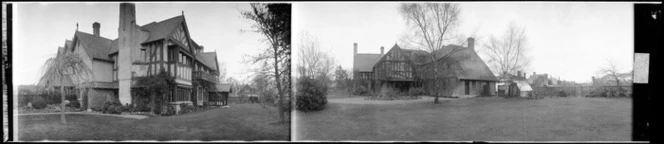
x=566, y=40
x=40, y=28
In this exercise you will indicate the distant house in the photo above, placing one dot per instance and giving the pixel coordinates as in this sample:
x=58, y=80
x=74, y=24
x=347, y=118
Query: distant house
x=140, y=51
x=220, y=95
x=514, y=85
x=403, y=69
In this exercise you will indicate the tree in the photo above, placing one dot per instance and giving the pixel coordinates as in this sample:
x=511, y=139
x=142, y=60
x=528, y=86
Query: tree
x=613, y=71
x=432, y=25
x=342, y=79
x=507, y=55
x=312, y=62
x=222, y=72
x=273, y=22
x=61, y=67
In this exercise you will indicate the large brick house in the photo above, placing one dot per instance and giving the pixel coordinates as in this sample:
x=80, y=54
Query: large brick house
x=143, y=50
x=403, y=69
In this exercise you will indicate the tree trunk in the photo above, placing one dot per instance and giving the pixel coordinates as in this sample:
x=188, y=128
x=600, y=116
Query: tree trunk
x=62, y=103
x=82, y=99
x=279, y=89
x=435, y=82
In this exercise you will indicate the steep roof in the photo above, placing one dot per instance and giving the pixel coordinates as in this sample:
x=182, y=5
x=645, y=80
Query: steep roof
x=224, y=87
x=162, y=29
x=523, y=85
x=365, y=62
x=472, y=66
x=208, y=59
x=96, y=46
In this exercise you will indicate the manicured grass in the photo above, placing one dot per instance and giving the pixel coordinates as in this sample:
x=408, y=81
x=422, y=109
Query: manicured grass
x=490, y=119
x=240, y=122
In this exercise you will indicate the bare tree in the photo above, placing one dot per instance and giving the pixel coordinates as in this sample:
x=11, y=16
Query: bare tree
x=507, y=54
x=312, y=62
x=223, y=73
x=65, y=66
x=613, y=71
x=273, y=21
x=432, y=26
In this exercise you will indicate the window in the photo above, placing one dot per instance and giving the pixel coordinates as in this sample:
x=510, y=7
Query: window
x=115, y=68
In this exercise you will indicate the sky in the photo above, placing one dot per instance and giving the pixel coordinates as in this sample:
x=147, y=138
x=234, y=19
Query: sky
x=40, y=28
x=566, y=40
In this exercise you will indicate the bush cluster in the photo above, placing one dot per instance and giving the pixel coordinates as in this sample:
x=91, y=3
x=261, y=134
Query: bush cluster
x=38, y=103
x=311, y=95
x=187, y=108
x=168, y=110
x=416, y=91
x=112, y=108
x=74, y=104
x=360, y=90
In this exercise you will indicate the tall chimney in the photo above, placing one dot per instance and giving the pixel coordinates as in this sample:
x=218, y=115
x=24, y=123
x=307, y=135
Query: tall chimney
x=95, y=28
x=382, y=50
x=354, y=48
x=518, y=73
x=126, y=44
x=471, y=43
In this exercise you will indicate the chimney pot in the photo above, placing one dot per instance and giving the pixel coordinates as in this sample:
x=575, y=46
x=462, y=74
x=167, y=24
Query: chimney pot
x=471, y=43
x=95, y=28
x=382, y=50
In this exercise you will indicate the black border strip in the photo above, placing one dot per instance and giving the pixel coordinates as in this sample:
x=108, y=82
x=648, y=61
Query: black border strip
x=8, y=73
x=647, y=36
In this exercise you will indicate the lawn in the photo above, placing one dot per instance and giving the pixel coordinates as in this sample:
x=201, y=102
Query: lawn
x=482, y=119
x=240, y=122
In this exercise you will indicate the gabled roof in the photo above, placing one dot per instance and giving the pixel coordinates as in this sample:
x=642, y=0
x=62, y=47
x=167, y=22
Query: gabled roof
x=162, y=29
x=472, y=66
x=365, y=62
x=523, y=85
x=96, y=46
x=209, y=59
x=114, y=46
x=224, y=87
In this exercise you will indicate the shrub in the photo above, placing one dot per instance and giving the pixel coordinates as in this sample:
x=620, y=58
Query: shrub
x=168, y=110
x=311, y=95
x=38, y=103
x=112, y=107
x=416, y=91
x=74, y=104
x=186, y=108
x=562, y=94
x=23, y=100
x=360, y=90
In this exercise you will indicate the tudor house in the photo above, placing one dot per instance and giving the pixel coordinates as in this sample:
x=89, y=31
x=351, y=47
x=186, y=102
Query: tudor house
x=403, y=69
x=141, y=51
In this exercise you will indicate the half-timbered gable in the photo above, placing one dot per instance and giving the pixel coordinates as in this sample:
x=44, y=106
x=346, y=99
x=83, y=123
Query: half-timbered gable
x=394, y=66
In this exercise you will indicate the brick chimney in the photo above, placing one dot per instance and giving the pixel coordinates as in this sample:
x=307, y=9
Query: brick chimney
x=471, y=43
x=95, y=28
x=382, y=50
x=354, y=48
x=518, y=73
